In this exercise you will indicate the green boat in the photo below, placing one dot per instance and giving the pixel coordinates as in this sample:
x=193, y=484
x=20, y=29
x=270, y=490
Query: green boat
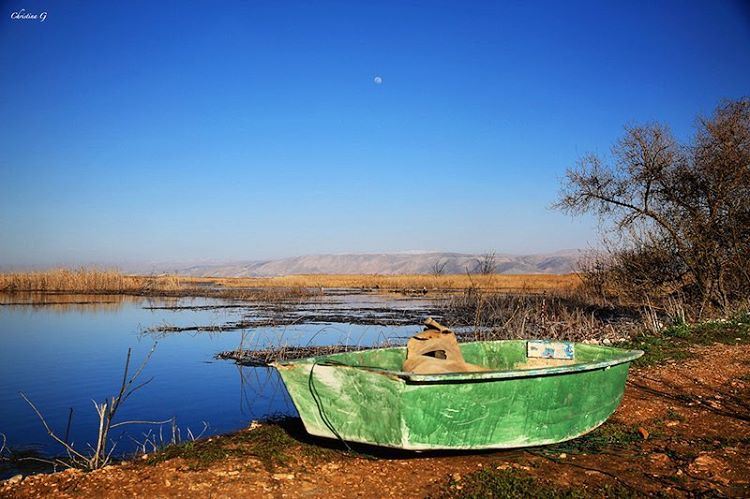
x=363, y=396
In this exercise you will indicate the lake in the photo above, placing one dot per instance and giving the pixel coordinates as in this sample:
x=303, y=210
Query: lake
x=62, y=351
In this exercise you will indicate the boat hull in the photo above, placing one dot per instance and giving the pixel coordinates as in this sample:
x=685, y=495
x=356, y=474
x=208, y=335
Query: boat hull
x=488, y=410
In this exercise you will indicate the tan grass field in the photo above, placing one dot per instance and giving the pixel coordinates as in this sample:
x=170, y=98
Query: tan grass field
x=85, y=281
x=110, y=281
x=495, y=282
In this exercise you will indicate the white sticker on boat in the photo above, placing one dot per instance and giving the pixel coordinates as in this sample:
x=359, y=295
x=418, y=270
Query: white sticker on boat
x=543, y=349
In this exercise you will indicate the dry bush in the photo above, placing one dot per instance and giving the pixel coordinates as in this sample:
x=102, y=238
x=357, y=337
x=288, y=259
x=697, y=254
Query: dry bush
x=564, y=316
x=486, y=264
x=438, y=267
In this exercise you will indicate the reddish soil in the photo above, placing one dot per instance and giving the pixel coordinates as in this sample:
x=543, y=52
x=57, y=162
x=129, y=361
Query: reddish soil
x=691, y=421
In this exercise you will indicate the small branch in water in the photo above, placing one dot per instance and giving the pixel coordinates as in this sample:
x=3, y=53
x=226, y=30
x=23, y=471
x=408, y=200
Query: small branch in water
x=100, y=455
x=3, y=447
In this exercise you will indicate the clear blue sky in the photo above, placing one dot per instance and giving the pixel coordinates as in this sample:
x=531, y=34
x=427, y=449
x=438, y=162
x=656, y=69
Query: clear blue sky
x=151, y=131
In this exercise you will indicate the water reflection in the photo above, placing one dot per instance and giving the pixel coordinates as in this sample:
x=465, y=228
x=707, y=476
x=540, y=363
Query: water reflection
x=262, y=393
x=64, y=350
x=70, y=302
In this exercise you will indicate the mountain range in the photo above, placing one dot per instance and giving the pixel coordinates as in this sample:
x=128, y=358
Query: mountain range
x=560, y=262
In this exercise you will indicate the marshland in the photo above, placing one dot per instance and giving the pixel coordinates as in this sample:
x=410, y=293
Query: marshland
x=190, y=195
x=206, y=345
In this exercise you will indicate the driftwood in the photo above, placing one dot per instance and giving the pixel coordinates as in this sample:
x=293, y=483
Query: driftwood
x=435, y=350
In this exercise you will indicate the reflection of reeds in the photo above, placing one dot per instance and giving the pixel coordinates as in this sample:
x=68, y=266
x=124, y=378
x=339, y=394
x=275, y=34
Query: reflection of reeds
x=262, y=393
x=63, y=302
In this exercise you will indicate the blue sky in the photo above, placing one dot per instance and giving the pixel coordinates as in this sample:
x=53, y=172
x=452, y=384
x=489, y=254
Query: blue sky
x=152, y=131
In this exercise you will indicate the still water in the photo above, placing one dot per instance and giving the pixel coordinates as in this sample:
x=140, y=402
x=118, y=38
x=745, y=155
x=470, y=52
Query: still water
x=72, y=349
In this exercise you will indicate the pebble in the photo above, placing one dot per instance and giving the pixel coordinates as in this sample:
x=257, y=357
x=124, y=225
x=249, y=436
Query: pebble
x=14, y=479
x=283, y=476
x=706, y=463
x=660, y=459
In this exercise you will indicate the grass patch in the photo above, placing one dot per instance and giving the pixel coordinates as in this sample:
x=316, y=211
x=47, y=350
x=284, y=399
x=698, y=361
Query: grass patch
x=609, y=436
x=200, y=454
x=687, y=451
x=270, y=443
x=718, y=442
x=509, y=484
x=513, y=484
x=674, y=415
x=674, y=342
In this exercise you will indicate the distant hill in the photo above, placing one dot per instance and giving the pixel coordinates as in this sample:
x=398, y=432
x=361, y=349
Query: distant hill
x=388, y=263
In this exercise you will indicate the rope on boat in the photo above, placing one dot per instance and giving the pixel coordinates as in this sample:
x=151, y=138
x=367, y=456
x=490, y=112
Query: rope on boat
x=318, y=402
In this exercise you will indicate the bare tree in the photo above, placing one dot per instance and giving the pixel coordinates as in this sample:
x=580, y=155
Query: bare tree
x=681, y=212
x=438, y=267
x=486, y=263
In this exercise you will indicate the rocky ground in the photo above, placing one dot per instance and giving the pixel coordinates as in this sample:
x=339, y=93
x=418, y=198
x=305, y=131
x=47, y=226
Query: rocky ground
x=683, y=429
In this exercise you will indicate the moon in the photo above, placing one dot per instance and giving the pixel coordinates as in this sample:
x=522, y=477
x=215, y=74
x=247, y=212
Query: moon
x=378, y=80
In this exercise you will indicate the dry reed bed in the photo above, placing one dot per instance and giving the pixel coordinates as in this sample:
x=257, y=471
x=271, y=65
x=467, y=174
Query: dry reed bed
x=88, y=281
x=85, y=281
x=494, y=282
x=571, y=316
x=294, y=286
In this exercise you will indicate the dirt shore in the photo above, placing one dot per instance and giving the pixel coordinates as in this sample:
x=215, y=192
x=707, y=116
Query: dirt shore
x=682, y=430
